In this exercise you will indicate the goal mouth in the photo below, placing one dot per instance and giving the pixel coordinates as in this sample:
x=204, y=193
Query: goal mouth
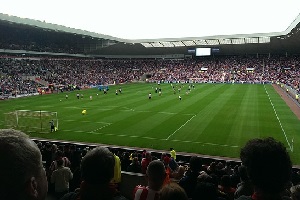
x=31, y=121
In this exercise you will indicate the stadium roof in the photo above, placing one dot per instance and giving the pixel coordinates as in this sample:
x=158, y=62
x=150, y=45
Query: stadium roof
x=156, y=19
x=269, y=42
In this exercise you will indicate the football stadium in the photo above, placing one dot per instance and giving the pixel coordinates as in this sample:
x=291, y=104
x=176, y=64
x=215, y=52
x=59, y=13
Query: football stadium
x=176, y=99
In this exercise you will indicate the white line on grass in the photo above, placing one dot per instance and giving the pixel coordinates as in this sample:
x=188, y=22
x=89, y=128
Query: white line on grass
x=101, y=127
x=180, y=127
x=151, y=138
x=76, y=131
x=72, y=120
x=92, y=107
x=167, y=113
x=95, y=122
x=291, y=147
x=102, y=123
x=188, y=114
x=68, y=120
x=128, y=109
x=73, y=107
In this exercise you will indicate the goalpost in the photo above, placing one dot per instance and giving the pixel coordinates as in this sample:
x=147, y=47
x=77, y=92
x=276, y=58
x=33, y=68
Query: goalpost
x=30, y=121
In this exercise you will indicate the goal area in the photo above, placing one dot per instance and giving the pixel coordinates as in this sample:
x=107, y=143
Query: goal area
x=30, y=121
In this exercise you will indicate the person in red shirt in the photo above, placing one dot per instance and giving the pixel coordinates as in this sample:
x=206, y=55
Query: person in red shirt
x=225, y=186
x=166, y=161
x=145, y=162
x=155, y=175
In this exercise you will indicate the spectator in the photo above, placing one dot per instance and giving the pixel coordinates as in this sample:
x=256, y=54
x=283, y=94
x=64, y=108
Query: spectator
x=245, y=187
x=116, y=180
x=155, y=175
x=172, y=191
x=58, y=155
x=61, y=177
x=125, y=161
x=235, y=177
x=173, y=164
x=227, y=169
x=295, y=192
x=173, y=153
x=225, y=187
x=135, y=166
x=269, y=168
x=22, y=174
x=166, y=160
x=97, y=170
x=145, y=162
x=207, y=188
x=189, y=181
x=207, y=191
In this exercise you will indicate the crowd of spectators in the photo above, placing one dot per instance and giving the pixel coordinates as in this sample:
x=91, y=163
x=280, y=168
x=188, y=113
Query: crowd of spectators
x=88, y=172
x=14, y=72
x=223, y=179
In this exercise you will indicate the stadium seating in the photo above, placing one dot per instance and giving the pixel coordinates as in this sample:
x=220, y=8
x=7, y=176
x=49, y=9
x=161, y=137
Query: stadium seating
x=80, y=73
x=129, y=180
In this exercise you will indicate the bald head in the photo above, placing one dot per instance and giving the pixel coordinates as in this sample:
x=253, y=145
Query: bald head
x=21, y=169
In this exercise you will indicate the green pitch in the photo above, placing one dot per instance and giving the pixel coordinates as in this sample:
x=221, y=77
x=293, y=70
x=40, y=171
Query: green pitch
x=213, y=119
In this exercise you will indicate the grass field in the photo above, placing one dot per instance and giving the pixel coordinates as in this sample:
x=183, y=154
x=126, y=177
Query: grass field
x=214, y=119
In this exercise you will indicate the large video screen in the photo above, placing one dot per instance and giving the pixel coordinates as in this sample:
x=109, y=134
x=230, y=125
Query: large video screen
x=203, y=51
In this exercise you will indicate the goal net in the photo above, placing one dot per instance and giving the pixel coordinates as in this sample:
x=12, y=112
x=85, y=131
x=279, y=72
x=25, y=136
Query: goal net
x=30, y=121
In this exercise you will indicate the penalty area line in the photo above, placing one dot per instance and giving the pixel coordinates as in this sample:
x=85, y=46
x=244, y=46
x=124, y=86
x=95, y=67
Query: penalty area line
x=101, y=128
x=180, y=127
x=72, y=120
x=161, y=139
x=151, y=138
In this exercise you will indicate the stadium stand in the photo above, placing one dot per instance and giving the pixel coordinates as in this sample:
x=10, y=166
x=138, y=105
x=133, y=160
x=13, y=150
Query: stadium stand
x=26, y=75
x=36, y=61
x=75, y=152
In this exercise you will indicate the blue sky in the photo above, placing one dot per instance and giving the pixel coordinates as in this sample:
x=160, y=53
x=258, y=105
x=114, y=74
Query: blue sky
x=139, y=19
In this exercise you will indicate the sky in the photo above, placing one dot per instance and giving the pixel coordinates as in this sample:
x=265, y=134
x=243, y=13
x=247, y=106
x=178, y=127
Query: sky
x=155, y=19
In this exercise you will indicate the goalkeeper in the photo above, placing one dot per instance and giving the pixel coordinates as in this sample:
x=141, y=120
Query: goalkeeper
x=52, y=126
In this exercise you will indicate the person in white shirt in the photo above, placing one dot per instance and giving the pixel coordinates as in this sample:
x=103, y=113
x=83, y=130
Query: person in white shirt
x=61, y=178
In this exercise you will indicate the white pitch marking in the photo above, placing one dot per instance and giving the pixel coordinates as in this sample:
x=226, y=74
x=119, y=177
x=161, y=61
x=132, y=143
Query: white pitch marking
x=71, y=120
x=161, y=139
x=168, y=113
x=291, y=147
x=180, y=127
